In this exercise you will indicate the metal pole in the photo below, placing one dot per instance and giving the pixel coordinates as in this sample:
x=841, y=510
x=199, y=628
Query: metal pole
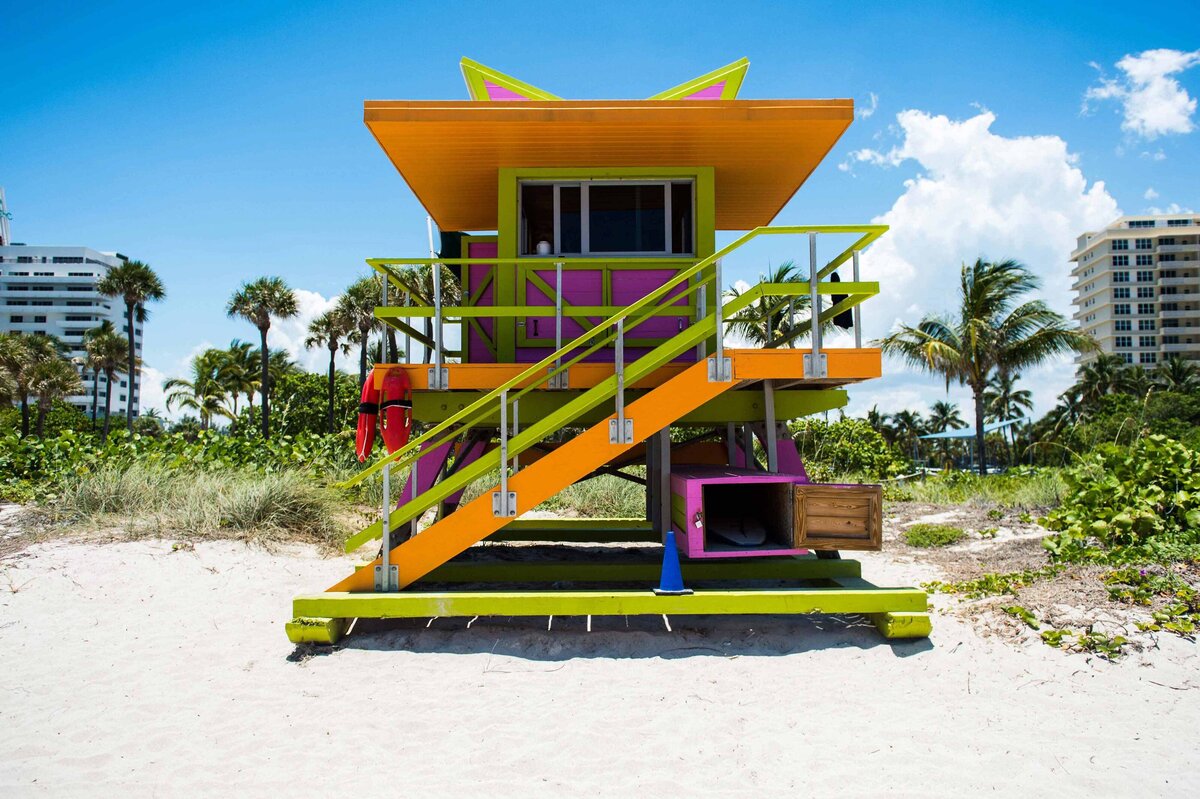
x=701, y=311
x=857, y=310
x=388, y=357
x=407, y=335
x=772, y=444
x=814, y=364
x=385, y=581
x=720, y=370
x=558, y=381
x=748, y=444
x=617, y=427
x=516, y=428
x=436, y=383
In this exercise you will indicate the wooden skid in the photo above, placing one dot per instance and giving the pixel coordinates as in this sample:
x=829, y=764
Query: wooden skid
x=406, y=604
x=593, y=572
x=903, y=624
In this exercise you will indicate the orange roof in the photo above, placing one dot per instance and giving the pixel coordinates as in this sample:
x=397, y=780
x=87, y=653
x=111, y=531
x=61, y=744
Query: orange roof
x=450, y=151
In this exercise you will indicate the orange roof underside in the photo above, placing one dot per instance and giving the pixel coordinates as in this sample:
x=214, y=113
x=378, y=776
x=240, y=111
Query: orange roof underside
x=450, y=152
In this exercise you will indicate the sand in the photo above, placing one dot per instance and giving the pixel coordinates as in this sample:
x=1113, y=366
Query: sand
x=134, y=669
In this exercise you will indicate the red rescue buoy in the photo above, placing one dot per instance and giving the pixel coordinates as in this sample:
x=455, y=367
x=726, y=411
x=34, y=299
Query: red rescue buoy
x=368, y=410
x=395, y=409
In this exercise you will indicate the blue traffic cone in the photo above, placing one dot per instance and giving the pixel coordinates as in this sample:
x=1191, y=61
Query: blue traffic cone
x=670, y=582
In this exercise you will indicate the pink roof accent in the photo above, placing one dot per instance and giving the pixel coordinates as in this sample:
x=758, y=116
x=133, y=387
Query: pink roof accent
x=500, y=93
x=712, y=92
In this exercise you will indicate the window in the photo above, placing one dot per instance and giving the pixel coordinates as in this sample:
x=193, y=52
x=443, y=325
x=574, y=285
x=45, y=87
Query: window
x=1170, y=290
x=1121, y=309
x=1121, y=293
x=1120, y=260
x=619, y=218
x=18, y=302
x=1170, y=306
x=25, y=259
x=1148, y=357
x=1170, y=339
x=1166, y=241
x=1120, y=277
x=1141, y=223
x=87, y=304
x=1123, y=325
x=75, y=259
x=90, y=274
x=77, y=318
x=1145, y=292
x=1128, y=357
x=1143, y=244
x=1145, y=308
x=1144, y=324
x=89, y=288
x=1143, y=276
x=1144, y=260
x=41, y=320
x=41, y=302
x=16, y=320
x=1147, y=341
x=1170, y=223
x=1124, y=341
x=1120, y=244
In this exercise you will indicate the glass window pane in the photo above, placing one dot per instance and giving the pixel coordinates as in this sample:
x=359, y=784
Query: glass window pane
x=569, y=229
x=627, y=218
x=537, y=217
x=681, y=218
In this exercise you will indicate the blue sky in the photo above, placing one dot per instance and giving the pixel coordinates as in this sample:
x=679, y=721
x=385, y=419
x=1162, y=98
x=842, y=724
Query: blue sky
x=220, y=142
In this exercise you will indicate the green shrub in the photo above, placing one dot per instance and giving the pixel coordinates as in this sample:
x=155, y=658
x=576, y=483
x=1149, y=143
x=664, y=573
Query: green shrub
x=932, y=535
x=1126, y=504
x=847, y=447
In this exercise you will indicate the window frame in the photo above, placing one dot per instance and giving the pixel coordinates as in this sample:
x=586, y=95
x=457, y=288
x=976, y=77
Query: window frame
x=584, y=185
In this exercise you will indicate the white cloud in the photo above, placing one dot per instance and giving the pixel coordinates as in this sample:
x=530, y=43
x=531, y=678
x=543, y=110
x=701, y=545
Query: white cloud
x=978, y=194
x=869, y=111
x=872, y=157
x=1152, y=101
x=289, y=334
x=1172, y=208
x=1157, y=155
x=151, y=394
x=1150, y=194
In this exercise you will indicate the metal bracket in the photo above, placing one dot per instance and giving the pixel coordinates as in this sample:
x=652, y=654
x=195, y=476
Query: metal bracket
x=614, y=426
x=393, y=583
x=720, y=369
x=504, y=504
x=818, y=367
x=558, y=381
x=439, y=379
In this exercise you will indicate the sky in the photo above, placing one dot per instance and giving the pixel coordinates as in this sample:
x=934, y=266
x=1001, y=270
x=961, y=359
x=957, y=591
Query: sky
x=224, y=141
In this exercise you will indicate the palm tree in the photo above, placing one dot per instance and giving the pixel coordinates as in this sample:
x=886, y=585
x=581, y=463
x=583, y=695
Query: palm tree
x=330, y=330
x=137, y=284
x=52, y=379
x=239, y=372
x=987, y=333
x=420, y=281
x=357, y=306
x=1105, y=374
x=105, y=353
x=19, y=356
x=1176, y=374
x=203, y=393
x=909, y=427
x=770, y=321
x=879, y=422
x=943, y=416
x=256, y=302
x=1003, y=402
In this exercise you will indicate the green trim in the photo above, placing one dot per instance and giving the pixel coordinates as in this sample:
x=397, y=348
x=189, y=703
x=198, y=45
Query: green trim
x=420, y=605
x=900, y=624
x=475, y=73
x=733, y=75
x=310, y=630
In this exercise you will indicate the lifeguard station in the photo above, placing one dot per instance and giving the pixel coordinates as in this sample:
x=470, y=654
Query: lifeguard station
x=588, y=336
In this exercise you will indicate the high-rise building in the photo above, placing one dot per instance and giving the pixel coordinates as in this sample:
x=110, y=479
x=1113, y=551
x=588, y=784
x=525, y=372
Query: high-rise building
x=1137, y=288
x=52, y=290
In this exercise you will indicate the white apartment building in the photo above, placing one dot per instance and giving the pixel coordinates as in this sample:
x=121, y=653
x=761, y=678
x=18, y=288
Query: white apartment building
x=1137, y=287
x=52, y=290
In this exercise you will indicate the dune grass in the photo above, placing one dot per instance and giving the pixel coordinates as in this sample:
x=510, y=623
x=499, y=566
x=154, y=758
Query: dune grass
x=284, y=505
x=932, y=535
x=1034, y=490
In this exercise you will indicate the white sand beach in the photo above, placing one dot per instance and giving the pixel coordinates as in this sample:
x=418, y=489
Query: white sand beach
x=131, y=669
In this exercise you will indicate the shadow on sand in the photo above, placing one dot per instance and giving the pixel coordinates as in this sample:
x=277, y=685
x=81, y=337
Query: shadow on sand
x=539, y=639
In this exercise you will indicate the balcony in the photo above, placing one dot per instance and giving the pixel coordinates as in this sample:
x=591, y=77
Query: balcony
x=1180, y=347
x=1185, y=280
x=1192, y=248
x=1188, y=313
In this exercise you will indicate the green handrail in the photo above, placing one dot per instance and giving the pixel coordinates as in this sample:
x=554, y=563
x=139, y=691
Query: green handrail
x=407, y=453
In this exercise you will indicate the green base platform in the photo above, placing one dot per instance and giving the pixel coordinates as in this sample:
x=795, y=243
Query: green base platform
x=827, y=586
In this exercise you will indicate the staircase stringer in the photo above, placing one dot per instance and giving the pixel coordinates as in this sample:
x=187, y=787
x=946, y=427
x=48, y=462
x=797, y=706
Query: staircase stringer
x=543, y=479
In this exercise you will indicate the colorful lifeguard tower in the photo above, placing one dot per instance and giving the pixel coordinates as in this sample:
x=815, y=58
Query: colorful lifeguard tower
x=588, y=337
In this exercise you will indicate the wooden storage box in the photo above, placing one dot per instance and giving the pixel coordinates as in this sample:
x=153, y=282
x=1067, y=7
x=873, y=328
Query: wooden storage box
x=838, y=516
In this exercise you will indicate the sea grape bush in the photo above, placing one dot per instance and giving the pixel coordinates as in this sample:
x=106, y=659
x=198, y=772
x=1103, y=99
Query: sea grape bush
x=35, y=469
x=1127, y=504
x=843, y=448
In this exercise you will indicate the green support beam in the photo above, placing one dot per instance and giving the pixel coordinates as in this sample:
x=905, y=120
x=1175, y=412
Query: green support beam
x=732, y=406
x=406, y=604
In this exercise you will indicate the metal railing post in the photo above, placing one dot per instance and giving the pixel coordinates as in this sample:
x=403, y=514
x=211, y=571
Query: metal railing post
x=560, y=380
x=407, y=335
x=815, y=362
x=516, y=428
x=769, y=413
x=857, y=310
x=620, y=430
x=504, y=502
x=701, y=312
x=386, y=575
x=719, y=368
